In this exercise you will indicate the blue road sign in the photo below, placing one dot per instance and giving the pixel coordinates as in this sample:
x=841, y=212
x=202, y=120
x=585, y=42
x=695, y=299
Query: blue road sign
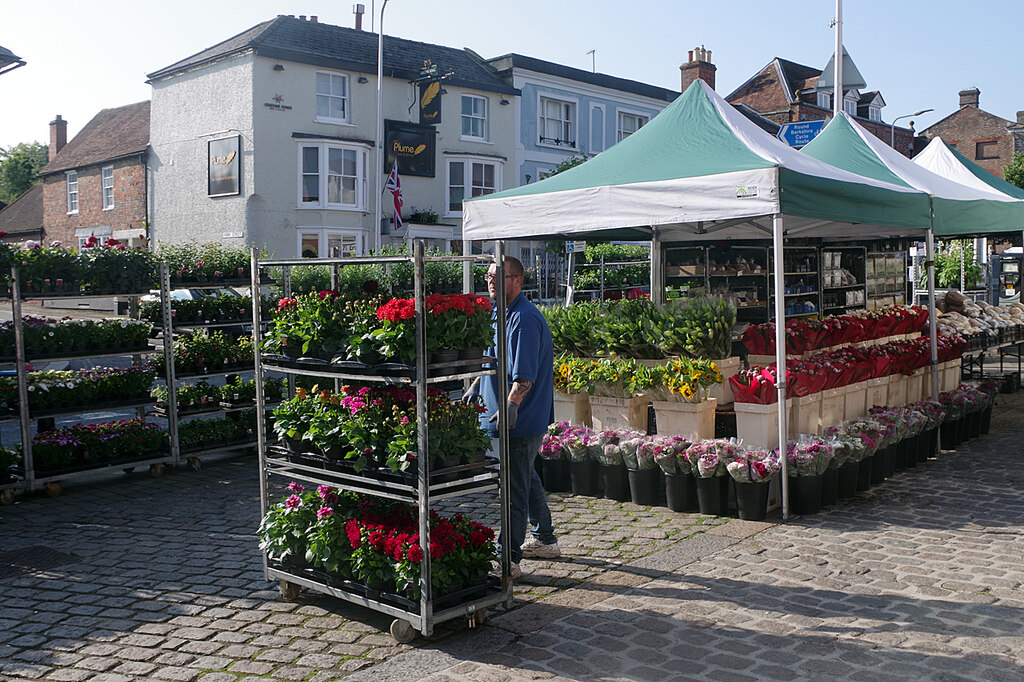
x=800, y=133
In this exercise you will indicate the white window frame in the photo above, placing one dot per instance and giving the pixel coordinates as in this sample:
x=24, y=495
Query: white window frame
x=850, y=106
x=107, y=187
x=875, y=114
x=572, y=122
x=71, y=187
x=467, y=178
x=824, y=100
x=323, y=176
x=623, y=113
x=323, y=235
x=483, y=137
x=346, y=98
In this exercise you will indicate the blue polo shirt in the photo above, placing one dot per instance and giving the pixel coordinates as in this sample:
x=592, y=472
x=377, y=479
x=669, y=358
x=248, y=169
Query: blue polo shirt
x=530, y=356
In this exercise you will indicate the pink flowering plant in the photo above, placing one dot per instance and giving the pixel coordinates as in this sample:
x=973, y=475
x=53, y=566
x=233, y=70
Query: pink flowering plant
x=670, y=454
x=582, y=444
x=755, y=465
x=809, y=457
x=708, y=458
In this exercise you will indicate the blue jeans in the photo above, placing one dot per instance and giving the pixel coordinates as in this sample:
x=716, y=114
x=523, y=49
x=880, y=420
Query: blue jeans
x=527, y=499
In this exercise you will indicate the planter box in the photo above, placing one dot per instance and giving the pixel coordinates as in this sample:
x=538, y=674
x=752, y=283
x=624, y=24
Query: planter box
x=950, y=375
x=573, y=408
x=619, y=413
x=833, y=406
x=729, y=367
x=695, y=421
x=806, y=415
x=878, y=392
x=856, y=400
x=897, y=390
x=758, y=425
x=914, y=383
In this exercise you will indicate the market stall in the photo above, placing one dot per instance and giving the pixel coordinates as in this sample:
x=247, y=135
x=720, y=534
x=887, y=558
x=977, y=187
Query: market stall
x=701, y=171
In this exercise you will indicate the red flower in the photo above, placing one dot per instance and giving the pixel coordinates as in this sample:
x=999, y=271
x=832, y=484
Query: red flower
x=286, y=303
x=415, y=553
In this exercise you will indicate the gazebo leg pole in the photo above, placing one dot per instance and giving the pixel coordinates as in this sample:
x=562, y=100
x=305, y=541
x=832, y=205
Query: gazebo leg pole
x=780, y=354
x=932, y=331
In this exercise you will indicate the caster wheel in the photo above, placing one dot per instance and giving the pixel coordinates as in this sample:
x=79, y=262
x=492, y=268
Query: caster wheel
x=195, y=464
x=289, y=591
x=6, y=497
x=53, y=489
x=156, y=470
x=402, y=631
x=480, y=617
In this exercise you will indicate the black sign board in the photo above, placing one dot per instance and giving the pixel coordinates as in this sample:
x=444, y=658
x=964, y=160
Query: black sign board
x=430, y=102
x=412, y=144
x=224, y=178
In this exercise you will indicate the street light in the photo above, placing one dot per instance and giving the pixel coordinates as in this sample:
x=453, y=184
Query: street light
x=892, y=126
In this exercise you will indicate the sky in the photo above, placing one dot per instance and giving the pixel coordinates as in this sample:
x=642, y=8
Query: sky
x=84, y=57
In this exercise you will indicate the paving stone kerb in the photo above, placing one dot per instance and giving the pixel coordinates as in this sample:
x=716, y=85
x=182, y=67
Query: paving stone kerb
x=917, y=578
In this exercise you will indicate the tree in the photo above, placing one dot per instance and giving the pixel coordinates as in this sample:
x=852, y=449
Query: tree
x=1014, y=171
x=19, y=168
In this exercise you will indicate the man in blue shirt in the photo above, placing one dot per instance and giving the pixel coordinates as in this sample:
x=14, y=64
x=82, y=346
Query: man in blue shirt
x=531, y=409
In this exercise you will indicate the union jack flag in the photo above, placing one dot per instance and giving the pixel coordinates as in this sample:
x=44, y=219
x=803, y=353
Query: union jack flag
x=394, y=184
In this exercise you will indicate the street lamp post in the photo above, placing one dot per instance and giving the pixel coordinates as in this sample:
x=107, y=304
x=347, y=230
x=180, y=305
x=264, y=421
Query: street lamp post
x=892, y=126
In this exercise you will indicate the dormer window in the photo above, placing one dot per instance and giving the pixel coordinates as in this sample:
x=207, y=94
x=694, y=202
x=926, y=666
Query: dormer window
x=824, y=100
x=850, y=106
x=875, y=114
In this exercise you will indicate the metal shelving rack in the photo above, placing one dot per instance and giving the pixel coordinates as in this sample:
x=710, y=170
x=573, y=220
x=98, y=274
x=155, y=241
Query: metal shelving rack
x=423, y=492
x=852, y=259
x=31, y=481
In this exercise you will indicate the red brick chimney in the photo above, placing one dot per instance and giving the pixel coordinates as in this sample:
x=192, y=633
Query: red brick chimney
x=969, y=98
x=58, y=135
x=698, y=65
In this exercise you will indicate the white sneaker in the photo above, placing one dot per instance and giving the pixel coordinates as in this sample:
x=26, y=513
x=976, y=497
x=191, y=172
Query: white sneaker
x=535, y=549
x=515, y=574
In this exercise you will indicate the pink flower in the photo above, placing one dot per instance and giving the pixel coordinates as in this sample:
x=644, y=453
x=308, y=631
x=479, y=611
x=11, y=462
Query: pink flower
x=296, y=487
x=292, y=502
x=324, y=512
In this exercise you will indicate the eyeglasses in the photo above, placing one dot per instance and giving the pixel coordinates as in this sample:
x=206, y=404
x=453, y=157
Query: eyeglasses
x=492, y=277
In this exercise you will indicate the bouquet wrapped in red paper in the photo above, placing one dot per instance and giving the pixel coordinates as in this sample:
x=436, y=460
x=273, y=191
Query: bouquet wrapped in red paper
x=755, y=385
x=759, y=339
x=804, y=377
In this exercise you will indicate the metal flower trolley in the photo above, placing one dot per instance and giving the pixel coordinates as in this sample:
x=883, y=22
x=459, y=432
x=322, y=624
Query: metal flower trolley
x=421, y=490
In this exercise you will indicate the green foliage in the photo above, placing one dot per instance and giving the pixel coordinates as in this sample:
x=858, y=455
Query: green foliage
x=698, y=328
x=19, y=168
x=571, y=328
x=571, y=162
x=1014, y=171
x=947, y=264
x=616, y=252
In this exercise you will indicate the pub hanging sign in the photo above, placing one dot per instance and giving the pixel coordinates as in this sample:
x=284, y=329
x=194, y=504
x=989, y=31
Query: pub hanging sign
x=412, y=145
x=430, y=102
x=223, y=177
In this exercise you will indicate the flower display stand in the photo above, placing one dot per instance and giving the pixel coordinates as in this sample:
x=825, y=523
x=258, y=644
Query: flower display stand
x=695, y=421
x=878, y=392
x=897, y=390
x=619, y=413
x=729, y=367
x=573, y=408
x=833, y=406
x=914, y=383
x=950, y=375
x=758, y=425
x=806, y=415
x=856, y=400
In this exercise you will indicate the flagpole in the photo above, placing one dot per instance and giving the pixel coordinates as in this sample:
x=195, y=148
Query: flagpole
x=378, y=208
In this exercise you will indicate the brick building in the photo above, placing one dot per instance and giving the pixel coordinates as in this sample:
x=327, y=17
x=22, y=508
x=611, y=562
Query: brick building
x=786, y=92
x=986, y=139
x=95, y=185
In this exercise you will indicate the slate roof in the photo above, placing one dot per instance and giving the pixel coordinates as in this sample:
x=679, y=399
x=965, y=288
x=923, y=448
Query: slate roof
x=505, y=63
x=799, y=78
x=307, y=42
x=769, y=126
x=111, y=134
x=24, y=214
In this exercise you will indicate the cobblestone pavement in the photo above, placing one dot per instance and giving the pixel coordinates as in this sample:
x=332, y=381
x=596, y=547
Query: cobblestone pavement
x=920, y=578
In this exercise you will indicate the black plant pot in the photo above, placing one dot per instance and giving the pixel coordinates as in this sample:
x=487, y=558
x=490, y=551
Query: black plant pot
x=913, y=445
x=878, y=467
x=933, y=442
x=864, y=469
x=713, y=495
x=586, y=478
x=986, y=420
x=643, y=486
x=948, y=431
x=972, y=424
x=889, y=460
x=846, y=486
x=681, y=492
x=899, y=456
x=616, y=483
x=556, y=475
x=805, y=494
x=752, y=500
x=830, y=487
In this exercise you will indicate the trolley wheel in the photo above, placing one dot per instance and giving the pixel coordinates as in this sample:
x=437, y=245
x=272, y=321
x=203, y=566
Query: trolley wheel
x=195, y=464
x=402, y=631
x=480, y=617
x=53, y=489
x=6, y=497
x=128, y=470
x=289, y=591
